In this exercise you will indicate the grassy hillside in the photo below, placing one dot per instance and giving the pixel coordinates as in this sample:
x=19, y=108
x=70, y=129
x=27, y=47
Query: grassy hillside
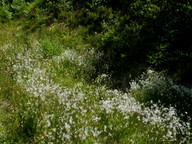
x=46, y=98
x=80, y=72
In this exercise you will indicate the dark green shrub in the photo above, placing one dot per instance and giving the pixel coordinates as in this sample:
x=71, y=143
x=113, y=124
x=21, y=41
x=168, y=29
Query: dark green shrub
x=5, y=14
x=173, y=46
x=149, y=33
x=91, y=19
x=160, y=89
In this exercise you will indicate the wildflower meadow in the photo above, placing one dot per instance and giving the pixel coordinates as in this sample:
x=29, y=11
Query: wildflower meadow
x=45, y=98
x=95, y=72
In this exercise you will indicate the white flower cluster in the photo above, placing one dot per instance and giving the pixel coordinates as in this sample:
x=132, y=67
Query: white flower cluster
x=154, y=115
x=85, y=112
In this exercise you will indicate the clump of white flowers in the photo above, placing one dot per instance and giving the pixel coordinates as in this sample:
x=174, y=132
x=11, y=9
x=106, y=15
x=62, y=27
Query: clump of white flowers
x=89, y=114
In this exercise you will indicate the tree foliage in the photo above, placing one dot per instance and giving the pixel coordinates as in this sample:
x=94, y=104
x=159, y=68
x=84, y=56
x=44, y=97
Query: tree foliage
x=133, y=35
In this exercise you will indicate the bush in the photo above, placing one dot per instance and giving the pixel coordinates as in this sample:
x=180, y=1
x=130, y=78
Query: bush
x=157, y=88
x=50, y=48
x=5, y=14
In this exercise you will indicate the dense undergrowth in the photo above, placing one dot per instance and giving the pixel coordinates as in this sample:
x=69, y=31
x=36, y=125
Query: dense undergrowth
x=46, y=98
x=133, y=35
x=80, y=72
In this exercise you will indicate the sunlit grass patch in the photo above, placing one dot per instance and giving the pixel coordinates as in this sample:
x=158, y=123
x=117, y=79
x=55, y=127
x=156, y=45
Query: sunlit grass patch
x=9, y=32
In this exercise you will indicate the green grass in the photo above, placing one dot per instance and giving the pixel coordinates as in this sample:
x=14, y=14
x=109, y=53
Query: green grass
x=45, y=96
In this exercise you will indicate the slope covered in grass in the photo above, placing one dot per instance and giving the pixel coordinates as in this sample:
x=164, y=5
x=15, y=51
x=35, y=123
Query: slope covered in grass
x=47, y=94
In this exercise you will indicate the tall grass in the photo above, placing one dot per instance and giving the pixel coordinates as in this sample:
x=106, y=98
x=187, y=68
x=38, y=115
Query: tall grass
x=45, y=98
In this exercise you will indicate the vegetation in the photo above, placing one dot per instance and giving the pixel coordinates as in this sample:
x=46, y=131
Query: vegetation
x=95, y=71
